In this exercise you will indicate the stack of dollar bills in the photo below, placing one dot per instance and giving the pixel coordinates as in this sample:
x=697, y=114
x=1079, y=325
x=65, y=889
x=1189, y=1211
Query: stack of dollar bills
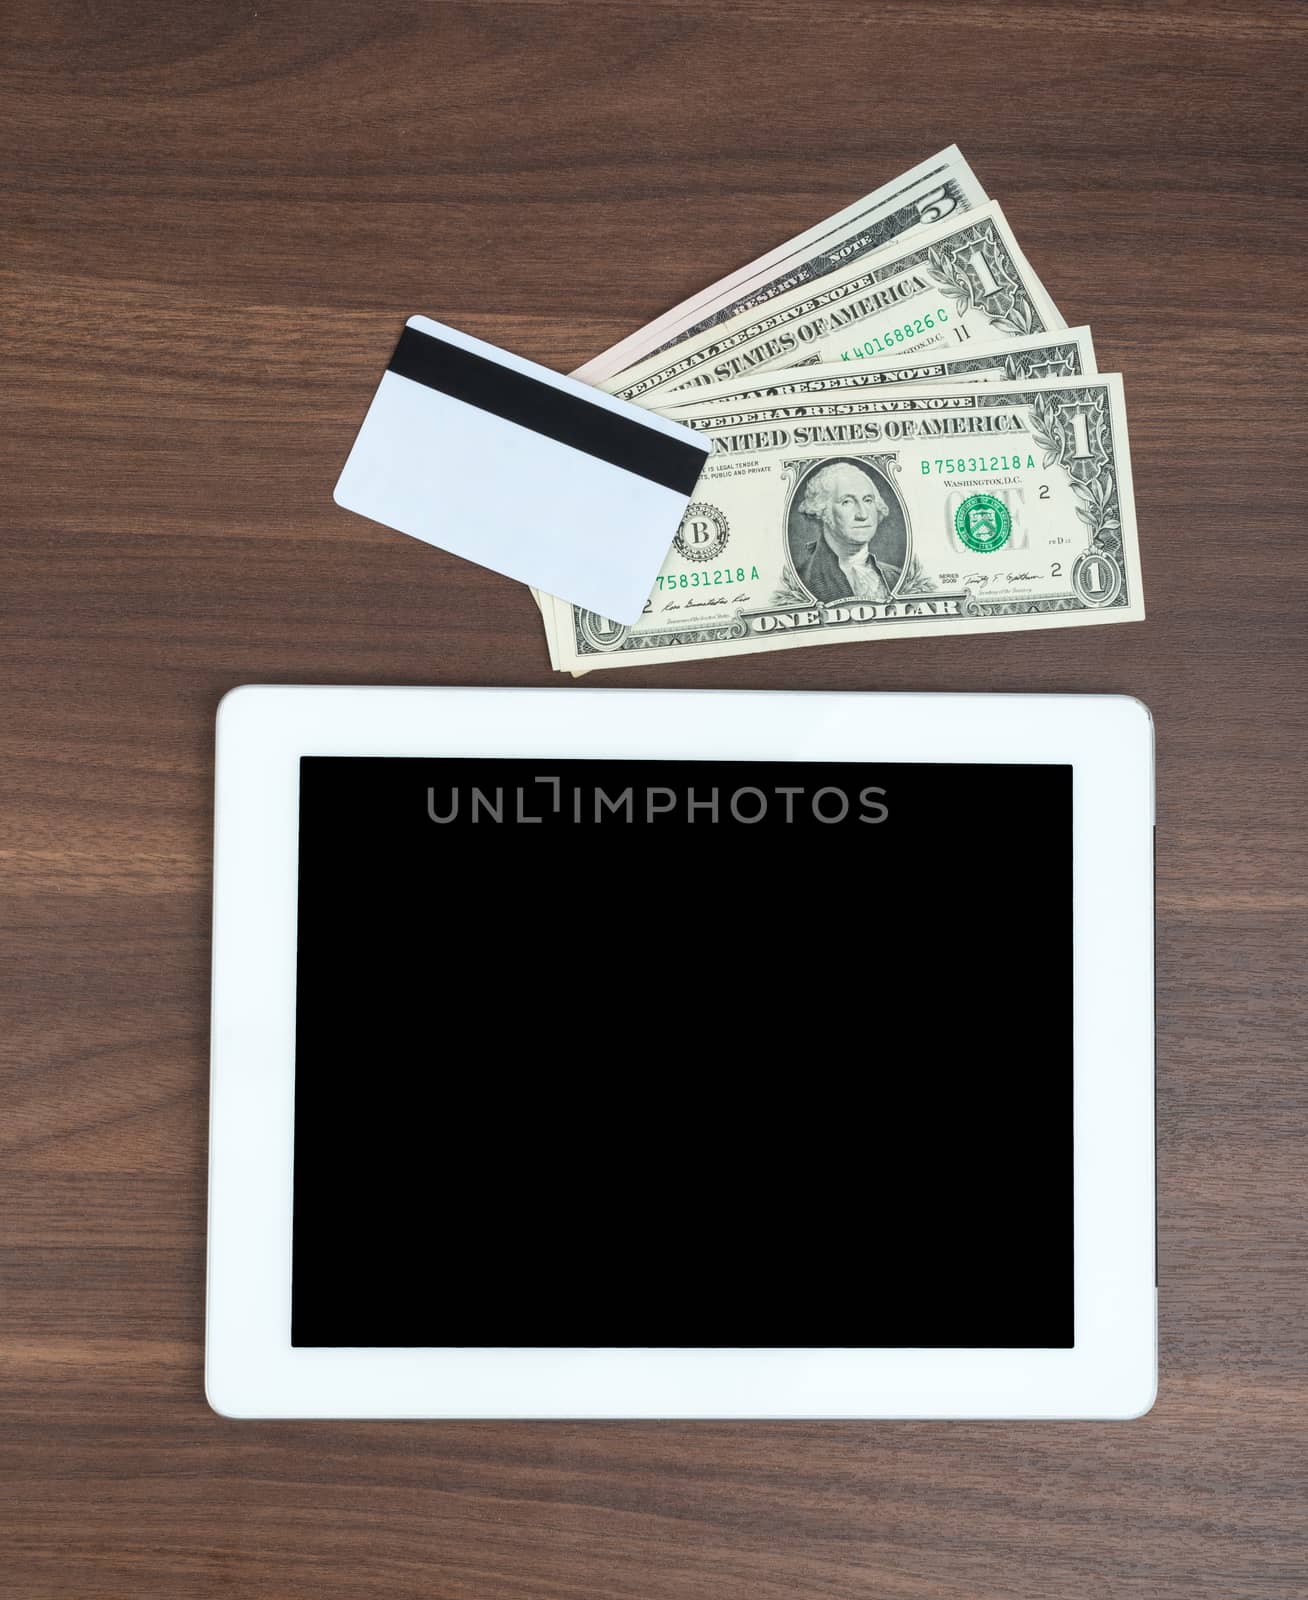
x=907, y=439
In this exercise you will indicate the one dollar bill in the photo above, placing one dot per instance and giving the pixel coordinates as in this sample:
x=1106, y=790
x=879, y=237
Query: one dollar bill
x=1062, y=354
x=1040, y=355
x=929, y=193
x=973, y=508
x=936, y=289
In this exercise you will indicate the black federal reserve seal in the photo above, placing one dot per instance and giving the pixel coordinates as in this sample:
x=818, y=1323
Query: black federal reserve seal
x=702, y=535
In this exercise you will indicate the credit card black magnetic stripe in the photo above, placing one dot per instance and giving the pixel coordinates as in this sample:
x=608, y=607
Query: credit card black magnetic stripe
x=564, y=417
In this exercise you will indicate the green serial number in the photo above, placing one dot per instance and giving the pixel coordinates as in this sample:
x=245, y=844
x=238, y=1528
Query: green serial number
x=885, y=342
x=710, y=578
x=976, y=464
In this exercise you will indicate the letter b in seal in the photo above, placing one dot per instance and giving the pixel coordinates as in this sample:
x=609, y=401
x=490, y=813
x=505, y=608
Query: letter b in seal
x=703, y=533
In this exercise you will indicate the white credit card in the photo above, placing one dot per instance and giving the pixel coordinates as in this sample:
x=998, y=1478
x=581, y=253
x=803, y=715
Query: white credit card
x=522, y=470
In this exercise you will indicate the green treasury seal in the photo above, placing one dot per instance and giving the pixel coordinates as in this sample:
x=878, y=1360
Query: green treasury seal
x=983, y=523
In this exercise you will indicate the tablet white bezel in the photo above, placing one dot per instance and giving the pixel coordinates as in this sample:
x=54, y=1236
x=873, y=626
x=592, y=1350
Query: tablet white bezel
x=251, y=1369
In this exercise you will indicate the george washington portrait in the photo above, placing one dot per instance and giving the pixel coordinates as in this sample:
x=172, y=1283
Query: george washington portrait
x=847, y=534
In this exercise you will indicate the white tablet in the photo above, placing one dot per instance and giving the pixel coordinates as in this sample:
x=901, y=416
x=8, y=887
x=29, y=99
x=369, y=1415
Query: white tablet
x=612, y=1053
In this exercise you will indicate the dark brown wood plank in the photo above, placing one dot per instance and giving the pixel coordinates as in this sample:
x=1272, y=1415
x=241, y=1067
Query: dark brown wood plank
x=216, y=219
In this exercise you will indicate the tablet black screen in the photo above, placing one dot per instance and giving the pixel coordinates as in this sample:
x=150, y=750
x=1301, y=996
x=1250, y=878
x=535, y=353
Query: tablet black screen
x=657, y=1053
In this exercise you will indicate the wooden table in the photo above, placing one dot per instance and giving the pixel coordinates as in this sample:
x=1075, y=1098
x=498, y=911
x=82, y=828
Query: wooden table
x=217, y=218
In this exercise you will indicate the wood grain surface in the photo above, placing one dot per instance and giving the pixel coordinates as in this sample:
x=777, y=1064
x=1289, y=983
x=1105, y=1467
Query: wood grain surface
x=216, y=218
